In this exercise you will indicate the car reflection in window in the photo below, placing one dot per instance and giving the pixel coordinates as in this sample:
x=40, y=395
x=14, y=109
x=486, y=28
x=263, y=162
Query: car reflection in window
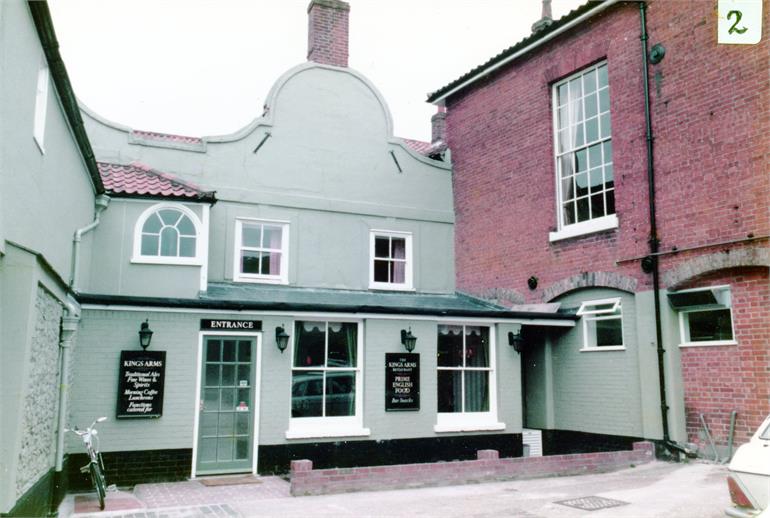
x=308, y=397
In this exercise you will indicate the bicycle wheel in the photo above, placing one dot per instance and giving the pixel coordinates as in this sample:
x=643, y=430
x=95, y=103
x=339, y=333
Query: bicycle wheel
x=98, y=479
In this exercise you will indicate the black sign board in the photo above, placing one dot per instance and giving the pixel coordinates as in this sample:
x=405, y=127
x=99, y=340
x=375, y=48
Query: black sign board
x=402, y=381
x=140, y=384
x=209, y=324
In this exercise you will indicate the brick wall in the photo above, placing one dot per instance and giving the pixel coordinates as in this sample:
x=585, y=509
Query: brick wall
x=488, y=466
x=724, y=378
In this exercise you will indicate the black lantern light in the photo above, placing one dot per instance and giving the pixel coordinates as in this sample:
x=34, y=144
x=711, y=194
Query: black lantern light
x=408, y=339
x=281, y=338
x=516, y=340
x=145, y=335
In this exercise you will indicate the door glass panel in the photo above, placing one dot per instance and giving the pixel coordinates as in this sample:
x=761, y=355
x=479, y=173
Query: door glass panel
x=213, y=351
x=207, y=450
x=241, y=423
x=243, y=375
x=225, y=449
x=209, y=423
x=226, y=422
x=210, y=400
x=244, y=351
x=228, y=352
x=241, y=448
x=212, y=375
x=228, y=399
x=228, y=375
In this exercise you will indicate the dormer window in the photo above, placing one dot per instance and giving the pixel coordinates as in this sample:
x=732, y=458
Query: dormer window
x=390, y=260
x=168, y=234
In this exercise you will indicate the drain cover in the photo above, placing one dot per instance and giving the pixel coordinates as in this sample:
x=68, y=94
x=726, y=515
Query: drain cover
x=591, y=503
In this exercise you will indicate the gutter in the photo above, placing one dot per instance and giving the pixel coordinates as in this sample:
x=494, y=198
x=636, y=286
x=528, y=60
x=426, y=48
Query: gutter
x=532, y=46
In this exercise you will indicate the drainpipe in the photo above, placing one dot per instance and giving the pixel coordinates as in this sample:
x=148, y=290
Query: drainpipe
x=100, y=204
x=650, y=263
x=69, y=326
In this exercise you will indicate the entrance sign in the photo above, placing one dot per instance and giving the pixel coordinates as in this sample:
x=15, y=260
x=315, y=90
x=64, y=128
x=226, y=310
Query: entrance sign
x=140, y=384
x=739, y=22
x=402, y=381
x=209, y=324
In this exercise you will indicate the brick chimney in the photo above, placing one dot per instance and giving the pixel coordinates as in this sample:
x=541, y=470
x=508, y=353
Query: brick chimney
x=327, y=35
x=438, y=127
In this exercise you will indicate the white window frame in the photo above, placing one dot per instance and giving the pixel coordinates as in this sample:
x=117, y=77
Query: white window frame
x=684, y=317
x=472, y=421
x=566, y=231
x=238, y=276
x=408, y=284
x=336, y=426
x=41, y=104
x=592, y=315
x=199, y=259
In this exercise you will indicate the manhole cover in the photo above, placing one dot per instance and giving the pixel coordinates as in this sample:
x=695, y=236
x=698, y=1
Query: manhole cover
x=591, y=503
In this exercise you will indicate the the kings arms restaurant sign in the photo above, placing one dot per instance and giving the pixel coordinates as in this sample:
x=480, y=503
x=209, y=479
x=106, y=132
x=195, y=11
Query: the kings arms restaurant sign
x=140, y=384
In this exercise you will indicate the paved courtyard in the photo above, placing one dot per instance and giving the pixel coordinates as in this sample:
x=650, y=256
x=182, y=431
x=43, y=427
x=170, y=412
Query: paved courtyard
x=658, y=489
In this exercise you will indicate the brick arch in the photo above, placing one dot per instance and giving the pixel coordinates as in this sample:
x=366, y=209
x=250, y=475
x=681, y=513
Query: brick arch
x=500, y=296
x=590, y=280
x=717, y=261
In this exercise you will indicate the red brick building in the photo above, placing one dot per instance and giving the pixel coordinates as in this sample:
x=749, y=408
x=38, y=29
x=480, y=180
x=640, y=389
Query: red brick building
x=552, y=182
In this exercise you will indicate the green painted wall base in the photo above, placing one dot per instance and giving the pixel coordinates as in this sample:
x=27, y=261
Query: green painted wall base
x=41, y=498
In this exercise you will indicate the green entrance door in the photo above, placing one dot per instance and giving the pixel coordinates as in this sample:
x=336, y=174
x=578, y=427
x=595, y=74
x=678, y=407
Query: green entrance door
x=226, y=420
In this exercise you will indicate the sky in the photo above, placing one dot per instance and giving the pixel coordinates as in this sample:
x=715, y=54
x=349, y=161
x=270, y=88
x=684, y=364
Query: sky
x=205, y=67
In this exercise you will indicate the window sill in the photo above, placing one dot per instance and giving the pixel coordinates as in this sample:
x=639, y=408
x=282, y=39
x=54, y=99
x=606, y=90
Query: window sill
x=320, y=434
x=586, y=227
x=173, y=261
x=260, y=280
x=602, y=349
x=715, y=343
x=390, y=287
x=470, y=427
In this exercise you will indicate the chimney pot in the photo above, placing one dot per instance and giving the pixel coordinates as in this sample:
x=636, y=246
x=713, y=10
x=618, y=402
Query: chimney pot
x=327, y=38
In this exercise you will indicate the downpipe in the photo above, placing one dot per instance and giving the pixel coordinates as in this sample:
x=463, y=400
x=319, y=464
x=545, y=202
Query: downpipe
x=100, y=204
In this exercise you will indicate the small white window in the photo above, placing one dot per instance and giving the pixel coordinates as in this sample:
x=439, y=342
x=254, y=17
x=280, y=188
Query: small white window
x=261, y=251
x=41, y=105
x=466, y=393
x=327, y=380
x=705, y=316
x=390, y=260
x=168, y=234
x=602, y=325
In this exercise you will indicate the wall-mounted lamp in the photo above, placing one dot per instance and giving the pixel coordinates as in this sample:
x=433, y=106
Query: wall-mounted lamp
x=516, y=340
x=145, y=334
x=281, y=338
x=408, y=339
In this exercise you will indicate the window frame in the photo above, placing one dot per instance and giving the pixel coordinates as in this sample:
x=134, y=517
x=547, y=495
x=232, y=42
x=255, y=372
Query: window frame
x=333, y=426
x=41, y=104
x=471, y=421
x=684, y=313
x=606, y=222
x=408, y=284
x=200, y=239
x=238, y=275
x=588, y=315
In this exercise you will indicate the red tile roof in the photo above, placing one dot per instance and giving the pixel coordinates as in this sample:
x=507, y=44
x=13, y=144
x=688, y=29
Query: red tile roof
x=137, y=179
x=166, y=137
x=418, y=145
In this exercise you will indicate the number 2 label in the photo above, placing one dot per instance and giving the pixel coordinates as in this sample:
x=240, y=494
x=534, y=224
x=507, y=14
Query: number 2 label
x=739, y=22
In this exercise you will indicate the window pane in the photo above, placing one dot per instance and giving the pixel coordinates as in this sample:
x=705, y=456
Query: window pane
x=228, y=351
x=228, y=400
x=272, y=237
x=589, y=82
x=244, y=351
x=398, y=248
x=225, y=448
x=564, y=140
x=343, y=345
x=568, y=212
x=381, y=247
x=575, y=89
x=450, y=391
x=477, y=391
x=208, y=450
x=252, y=235
x=563, y=121
x=150, y=244
x=168, y=242
x=228, y=375
x=606, y=125
x=582, y=209
x=243, y=374
x=274, y=263
x=152, y=225
x=170, y=216
x=242, y=423
x=609, y=200
x=450, y=346
x=208, y=423
x=609, y=332
x=607, y=151
x=597, y=205
x=398, y=272
x=226, y=423
x=581, y=184
x=310, y=344
x=566, y=165
x=592, y=129
x=562, y=94
x=187, y=247
x=212, y=375
x=213, y=351
x=591, y=107
x=381, y=271
x=241, y=448
x=581, y=160
x=249, y=262
x=567, y=188
x=307, y=393
x=577, y=136
x=265, y=265
x=185, y=226
x=476, y=346
x=602, y=74
x=604, y=100
x=340, y=393
x=710, y=325
x=595, y=156
x=210, y=400
x=595, y=179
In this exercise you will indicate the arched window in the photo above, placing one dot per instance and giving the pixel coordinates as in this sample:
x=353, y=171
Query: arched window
x=167, y=233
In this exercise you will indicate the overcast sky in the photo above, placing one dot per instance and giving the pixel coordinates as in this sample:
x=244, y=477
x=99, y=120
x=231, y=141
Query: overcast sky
x=204, y=67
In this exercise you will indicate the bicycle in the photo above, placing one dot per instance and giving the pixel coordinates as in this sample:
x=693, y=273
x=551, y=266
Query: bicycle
x=95, y=464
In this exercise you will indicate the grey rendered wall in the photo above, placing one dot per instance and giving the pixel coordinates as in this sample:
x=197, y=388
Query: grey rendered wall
x=104, y=333
x=327, y=166
x=109, y=268
x=597, y=392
